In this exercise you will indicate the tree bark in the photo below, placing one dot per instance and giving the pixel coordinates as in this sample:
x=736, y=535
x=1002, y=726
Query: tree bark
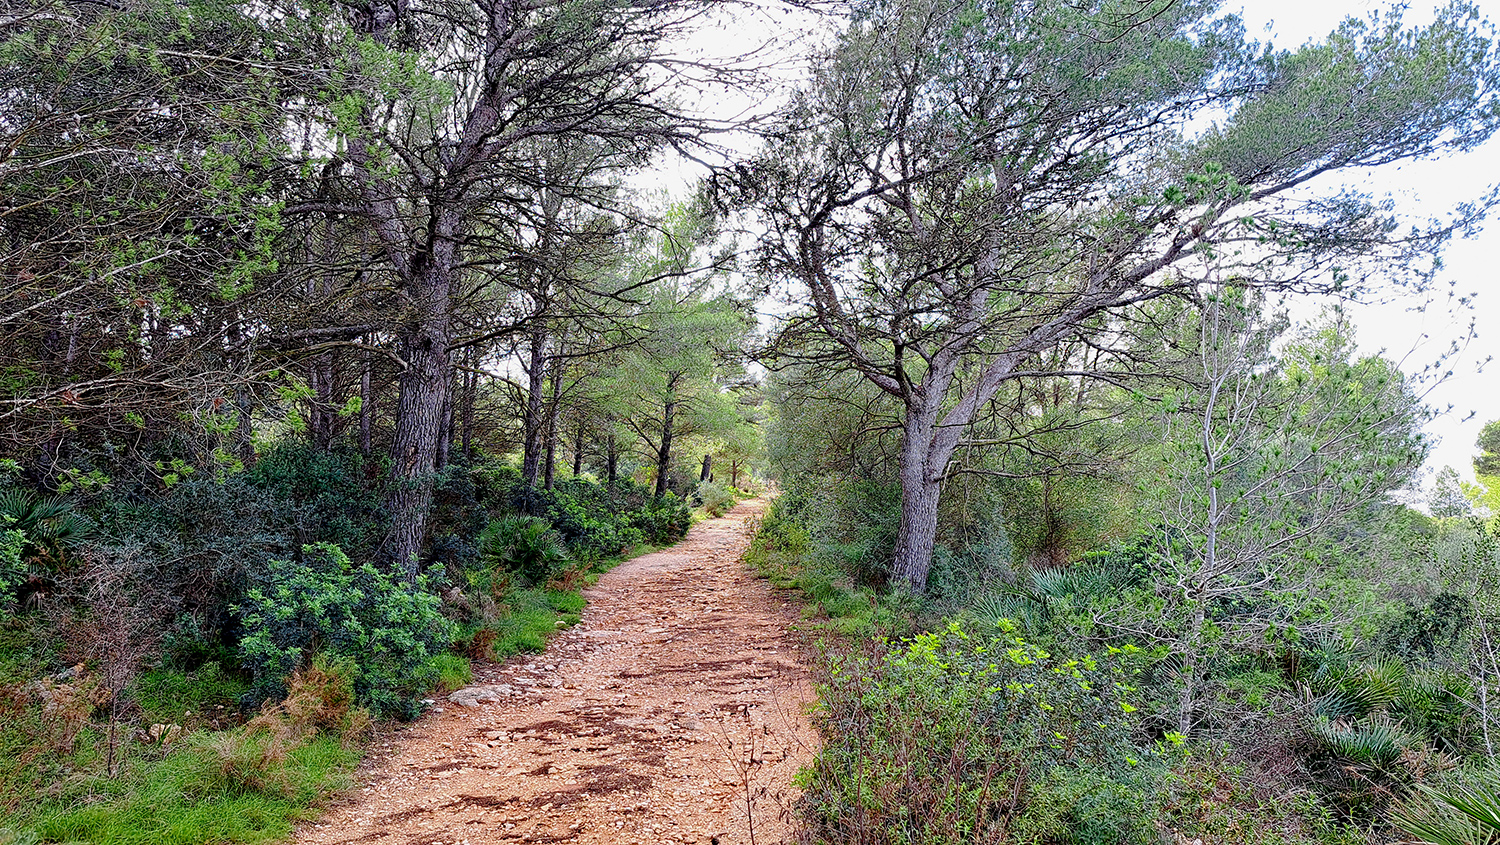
x=419, y=411
x=553, y=408
x=445, y=433
x=612, y=460
x=734, y=473
x=578, y=449
x=921, y=487
x=707, y=473
x=531, y=417
x=466, y=411
x=664, y=452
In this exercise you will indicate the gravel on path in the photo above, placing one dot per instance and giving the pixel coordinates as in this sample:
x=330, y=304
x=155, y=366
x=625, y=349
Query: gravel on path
x=676, y=712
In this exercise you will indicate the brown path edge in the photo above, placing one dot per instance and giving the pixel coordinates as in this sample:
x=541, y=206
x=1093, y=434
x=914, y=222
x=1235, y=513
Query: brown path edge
x=674, y=712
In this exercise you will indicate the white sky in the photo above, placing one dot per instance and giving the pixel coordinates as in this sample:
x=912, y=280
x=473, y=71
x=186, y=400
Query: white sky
x=1466, y=399
x=1471, y=266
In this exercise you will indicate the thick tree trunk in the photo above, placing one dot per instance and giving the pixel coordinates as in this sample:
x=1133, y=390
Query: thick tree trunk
x=734, y=473
x=707, y=473
x=531, y=416
x=920, y=491
x=419, y=412
x=664, y=452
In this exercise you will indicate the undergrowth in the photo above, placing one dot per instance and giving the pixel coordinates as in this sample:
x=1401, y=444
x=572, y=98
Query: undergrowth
x=248, y=784
x=782, y=552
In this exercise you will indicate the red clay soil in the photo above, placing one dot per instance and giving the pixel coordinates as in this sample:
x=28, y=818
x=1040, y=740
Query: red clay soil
x=675, y=712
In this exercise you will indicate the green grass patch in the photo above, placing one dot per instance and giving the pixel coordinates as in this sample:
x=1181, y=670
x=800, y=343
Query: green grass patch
x=184, y=799
x=166, y=695
x=23, y=652
x=529, y=617
x=782, y=552
x=452, y=671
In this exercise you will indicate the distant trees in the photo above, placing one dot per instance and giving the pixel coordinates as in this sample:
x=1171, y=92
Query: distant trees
x=445, y=135
x=963, y=186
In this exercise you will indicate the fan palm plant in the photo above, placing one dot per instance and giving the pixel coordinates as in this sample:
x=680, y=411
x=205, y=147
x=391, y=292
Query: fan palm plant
x=1467, y=814
x=50, y=525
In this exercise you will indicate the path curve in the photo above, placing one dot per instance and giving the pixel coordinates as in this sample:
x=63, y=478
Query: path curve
x=675, y=712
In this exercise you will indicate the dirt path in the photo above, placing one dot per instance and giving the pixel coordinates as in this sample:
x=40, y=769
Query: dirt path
x=675, y=705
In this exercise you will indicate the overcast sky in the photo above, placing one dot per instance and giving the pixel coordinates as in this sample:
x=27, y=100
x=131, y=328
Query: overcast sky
x=1408, y=330
x=1471, y=266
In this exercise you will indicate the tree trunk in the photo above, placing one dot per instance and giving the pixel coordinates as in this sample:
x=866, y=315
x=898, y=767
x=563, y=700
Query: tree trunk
x=920, y=490
x=734, y=473
x=612, y=460
x=553, y=408
x=664, y=453
x=578, y=450
x=419, y=411
x=445, y=434
x=466, y=411
x=1187, y=697
x=531, y=417
x=366, y=403
x=707, y=473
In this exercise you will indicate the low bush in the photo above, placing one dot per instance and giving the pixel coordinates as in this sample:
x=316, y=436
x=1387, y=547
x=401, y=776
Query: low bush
x=949, y=737
x=387, y=630
x=524, y=546
x=716, y=498
x=783, y=552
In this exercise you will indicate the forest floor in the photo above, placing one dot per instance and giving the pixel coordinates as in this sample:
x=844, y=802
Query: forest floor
x=675, y=712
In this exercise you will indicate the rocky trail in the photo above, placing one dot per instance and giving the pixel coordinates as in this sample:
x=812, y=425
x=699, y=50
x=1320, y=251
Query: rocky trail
x=675, y=713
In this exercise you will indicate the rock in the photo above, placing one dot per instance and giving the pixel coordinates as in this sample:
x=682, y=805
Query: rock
x=165, y=734
x=477, y=695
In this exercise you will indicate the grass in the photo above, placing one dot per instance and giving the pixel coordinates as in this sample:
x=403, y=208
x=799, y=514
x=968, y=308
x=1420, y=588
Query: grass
x=180, y=800
x=783, y=553
x=249, y=784
x=531, y=616
x=168, y=696
x=453, y=671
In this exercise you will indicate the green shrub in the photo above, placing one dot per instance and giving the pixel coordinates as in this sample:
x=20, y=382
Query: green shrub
x=716, y=498
x=12, y=567
x=662, y=520
x=952, y=738
x=332, y=502
x=525, y=546
x=386, y=628
x=1459, y=813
